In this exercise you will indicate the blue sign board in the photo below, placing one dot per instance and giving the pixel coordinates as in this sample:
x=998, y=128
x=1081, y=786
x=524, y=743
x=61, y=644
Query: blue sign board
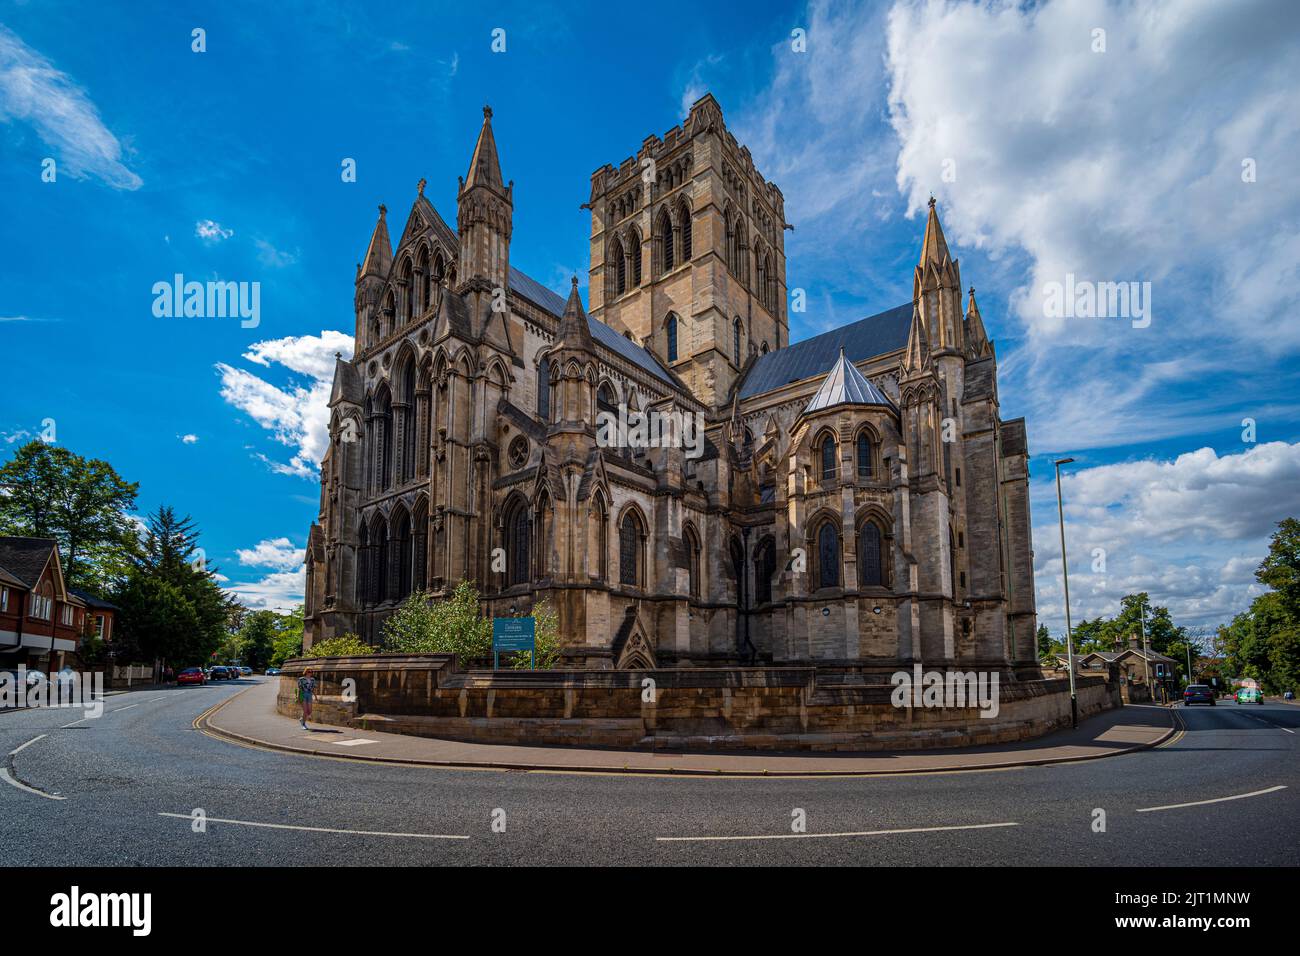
x=514, y=634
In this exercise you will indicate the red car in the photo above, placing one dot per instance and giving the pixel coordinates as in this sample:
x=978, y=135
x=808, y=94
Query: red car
x=191, y=675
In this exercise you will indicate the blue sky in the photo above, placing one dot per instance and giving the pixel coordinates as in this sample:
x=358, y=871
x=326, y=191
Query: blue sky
x=1118, y=164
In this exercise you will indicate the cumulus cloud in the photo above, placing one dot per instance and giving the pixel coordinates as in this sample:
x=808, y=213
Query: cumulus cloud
x=189, y=439
x=278, y=553
x=1190, y=531
x=60, y=112
x=210, y=231
x=296, y=412
x=280, y=591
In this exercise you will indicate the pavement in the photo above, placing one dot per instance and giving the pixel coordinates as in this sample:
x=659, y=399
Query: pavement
x=143, y=785
x=250, y=717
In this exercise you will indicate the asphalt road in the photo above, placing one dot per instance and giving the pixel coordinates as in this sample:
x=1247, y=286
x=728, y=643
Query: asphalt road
x=121, y=774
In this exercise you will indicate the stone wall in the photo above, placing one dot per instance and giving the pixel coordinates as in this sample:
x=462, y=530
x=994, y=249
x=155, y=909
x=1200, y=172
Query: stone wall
x=760, y=708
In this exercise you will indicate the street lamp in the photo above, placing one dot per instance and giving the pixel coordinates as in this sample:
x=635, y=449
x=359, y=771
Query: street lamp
x=1065, y=577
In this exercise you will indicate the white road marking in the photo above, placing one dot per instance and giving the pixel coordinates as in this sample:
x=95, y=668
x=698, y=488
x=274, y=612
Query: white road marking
x=26, y=745
x=1269, y=723
x=127, y=707
x=152, y=699
x=354, y=742
x=861, y=833
x=1201, y=803
x=8, y=778
x=75, y=722
x=287, y=826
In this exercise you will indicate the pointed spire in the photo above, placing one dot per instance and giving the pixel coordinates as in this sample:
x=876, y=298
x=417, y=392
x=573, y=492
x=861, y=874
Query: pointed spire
x=379, y=255
x=845, y=385
x=484, y=167
x=917, y=357
x=934, y=248
x=977, y=340
x=574, y=331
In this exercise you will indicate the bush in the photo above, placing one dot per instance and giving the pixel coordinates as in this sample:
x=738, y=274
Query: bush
x=546, y=641
x=346, y=645
x=453, y=626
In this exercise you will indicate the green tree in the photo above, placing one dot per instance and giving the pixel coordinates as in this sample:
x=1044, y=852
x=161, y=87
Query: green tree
x=83, y=504
x=546, y=639
x=1044, y=642
x=257, y=638
x=1280, y=569
x=288, y=638
x=452, y=626
x=345, y=645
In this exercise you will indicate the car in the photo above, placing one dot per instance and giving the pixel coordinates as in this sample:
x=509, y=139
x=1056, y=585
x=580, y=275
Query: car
x=273, y=672
x=191, y=675
x=246, y=671
x=1249, y=695
x=219, y=672
x=1198, y=694
x=33, y=677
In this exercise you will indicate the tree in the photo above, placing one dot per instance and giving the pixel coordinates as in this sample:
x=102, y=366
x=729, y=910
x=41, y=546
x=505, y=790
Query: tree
x=345, y=645
x=1281, y=567
x=1044, y=642
x=452, y=626
x=288, y=639
x=82, y=504
x=257, y=638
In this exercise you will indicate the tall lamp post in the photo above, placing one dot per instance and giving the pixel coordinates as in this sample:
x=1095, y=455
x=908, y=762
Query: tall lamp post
x=1065, y=577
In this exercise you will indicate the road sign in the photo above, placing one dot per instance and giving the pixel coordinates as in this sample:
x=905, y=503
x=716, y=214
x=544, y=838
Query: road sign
x=514, y=634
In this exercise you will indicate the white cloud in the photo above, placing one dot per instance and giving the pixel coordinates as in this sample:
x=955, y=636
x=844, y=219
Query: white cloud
x=33, y=91
x=210, y=231
x=297, y=415
x=1190, y=531
x=278, y=553
x=189, y=439
x=272, y=257
x=280, y=591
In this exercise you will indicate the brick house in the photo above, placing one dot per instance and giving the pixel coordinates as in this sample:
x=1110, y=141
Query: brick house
x=41, y=621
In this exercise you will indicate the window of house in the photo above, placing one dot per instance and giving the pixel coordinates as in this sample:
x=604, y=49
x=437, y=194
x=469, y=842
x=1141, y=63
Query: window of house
x=4, y=599
x=65, y=615
x=99, y=626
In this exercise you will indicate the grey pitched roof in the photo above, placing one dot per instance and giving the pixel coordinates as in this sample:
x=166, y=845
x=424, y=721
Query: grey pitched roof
x=544, y=298
x=875, y=335
x=91, y=600
x=845, y=385
x=25, y=558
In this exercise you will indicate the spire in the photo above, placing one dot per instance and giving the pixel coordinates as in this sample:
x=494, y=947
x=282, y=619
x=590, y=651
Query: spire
x=484, y=167
x=917, y=357
x=934, y=248
x=977, y=340
x=845, y=385
x=574, y=332
x=379, y=255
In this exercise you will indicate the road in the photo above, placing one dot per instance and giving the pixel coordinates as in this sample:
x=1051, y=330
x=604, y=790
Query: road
x=121, y=790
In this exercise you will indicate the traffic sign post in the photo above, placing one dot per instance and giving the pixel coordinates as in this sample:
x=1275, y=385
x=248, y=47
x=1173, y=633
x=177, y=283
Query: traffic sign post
x=514, y=634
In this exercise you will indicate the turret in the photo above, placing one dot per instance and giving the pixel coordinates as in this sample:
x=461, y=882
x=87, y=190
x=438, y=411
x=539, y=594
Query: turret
x=372, y=273
x=484, y=216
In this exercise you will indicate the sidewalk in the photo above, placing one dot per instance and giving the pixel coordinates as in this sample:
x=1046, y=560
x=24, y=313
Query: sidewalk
x=250, y=717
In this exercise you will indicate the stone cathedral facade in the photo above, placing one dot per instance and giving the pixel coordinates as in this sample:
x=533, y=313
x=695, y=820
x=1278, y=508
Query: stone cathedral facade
x=858, y=502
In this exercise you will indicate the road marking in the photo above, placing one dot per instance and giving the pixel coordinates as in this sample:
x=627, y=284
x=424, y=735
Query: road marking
x=287, y=826
x=860, y=833
x=127, y=707
x=1201, y=803
x=1268, y=723
x=8, y=778
x=26, y=745
x=152, y=699
x=354, y=742
x=75, y=722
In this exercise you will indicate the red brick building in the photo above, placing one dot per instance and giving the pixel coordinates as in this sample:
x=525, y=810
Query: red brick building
x=41, y=621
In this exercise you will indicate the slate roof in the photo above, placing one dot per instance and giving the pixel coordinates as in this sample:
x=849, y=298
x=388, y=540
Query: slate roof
x=544, y=298
x=25, y=558
x=91, y=601
x=875, y=335
x=845, y=385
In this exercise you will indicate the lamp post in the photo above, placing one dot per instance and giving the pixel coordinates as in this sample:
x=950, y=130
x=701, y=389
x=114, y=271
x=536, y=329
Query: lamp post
x=1065, y=577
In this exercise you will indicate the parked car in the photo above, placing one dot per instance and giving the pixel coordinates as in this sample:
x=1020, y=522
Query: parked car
x=275, y=672
x=246, y=671
x=191, y=675
x=219, y=672
x=33, y=677
x=1198, y=694
x=1249, y=695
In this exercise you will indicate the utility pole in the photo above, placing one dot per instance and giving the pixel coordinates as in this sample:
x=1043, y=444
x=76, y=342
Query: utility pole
x=1065, y=577
x=1146, y=661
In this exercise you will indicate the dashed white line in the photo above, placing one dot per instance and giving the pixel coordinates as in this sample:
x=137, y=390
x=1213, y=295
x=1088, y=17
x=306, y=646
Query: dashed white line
x=1269, y=723
x=1201, y=803
x=807, y=836
x=289, y=826
x=127, y=707
x=21, y=748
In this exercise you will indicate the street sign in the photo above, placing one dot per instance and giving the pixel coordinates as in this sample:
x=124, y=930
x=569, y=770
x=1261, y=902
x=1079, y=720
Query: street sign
x=514, y=634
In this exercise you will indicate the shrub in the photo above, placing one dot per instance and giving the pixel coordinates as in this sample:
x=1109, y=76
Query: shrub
x=451, y=626
x=345, y=645
x=547, y=640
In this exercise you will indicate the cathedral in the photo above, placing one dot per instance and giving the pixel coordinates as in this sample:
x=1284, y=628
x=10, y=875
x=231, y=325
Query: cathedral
x=855, y=501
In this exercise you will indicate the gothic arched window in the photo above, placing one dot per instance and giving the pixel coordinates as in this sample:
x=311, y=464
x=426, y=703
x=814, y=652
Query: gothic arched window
x=629, y=550
x=828, y=459
x=544, y=390
x=620, y=267
x=408, y=292
x=684, y=216
x=634, y=253
x=828, y=556
x=518, y=530
x=664, y=228
x=672, y=337
x=764, y=569
x=601, y=517
x=735, y=339
x=363, y=567
x=864, y=455
x=692, y=543
x=870, y=556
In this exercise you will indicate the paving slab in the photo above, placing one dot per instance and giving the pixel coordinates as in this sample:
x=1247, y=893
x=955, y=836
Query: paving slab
x=250, y=717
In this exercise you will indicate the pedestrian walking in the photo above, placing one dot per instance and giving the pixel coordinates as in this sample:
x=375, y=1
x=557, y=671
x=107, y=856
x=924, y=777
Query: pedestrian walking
x=306, y=690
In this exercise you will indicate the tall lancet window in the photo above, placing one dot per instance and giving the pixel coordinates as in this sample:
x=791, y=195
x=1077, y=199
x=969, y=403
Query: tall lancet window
x=672, y=338
x=828, y=556
x=869, y=555
x=544, y=390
